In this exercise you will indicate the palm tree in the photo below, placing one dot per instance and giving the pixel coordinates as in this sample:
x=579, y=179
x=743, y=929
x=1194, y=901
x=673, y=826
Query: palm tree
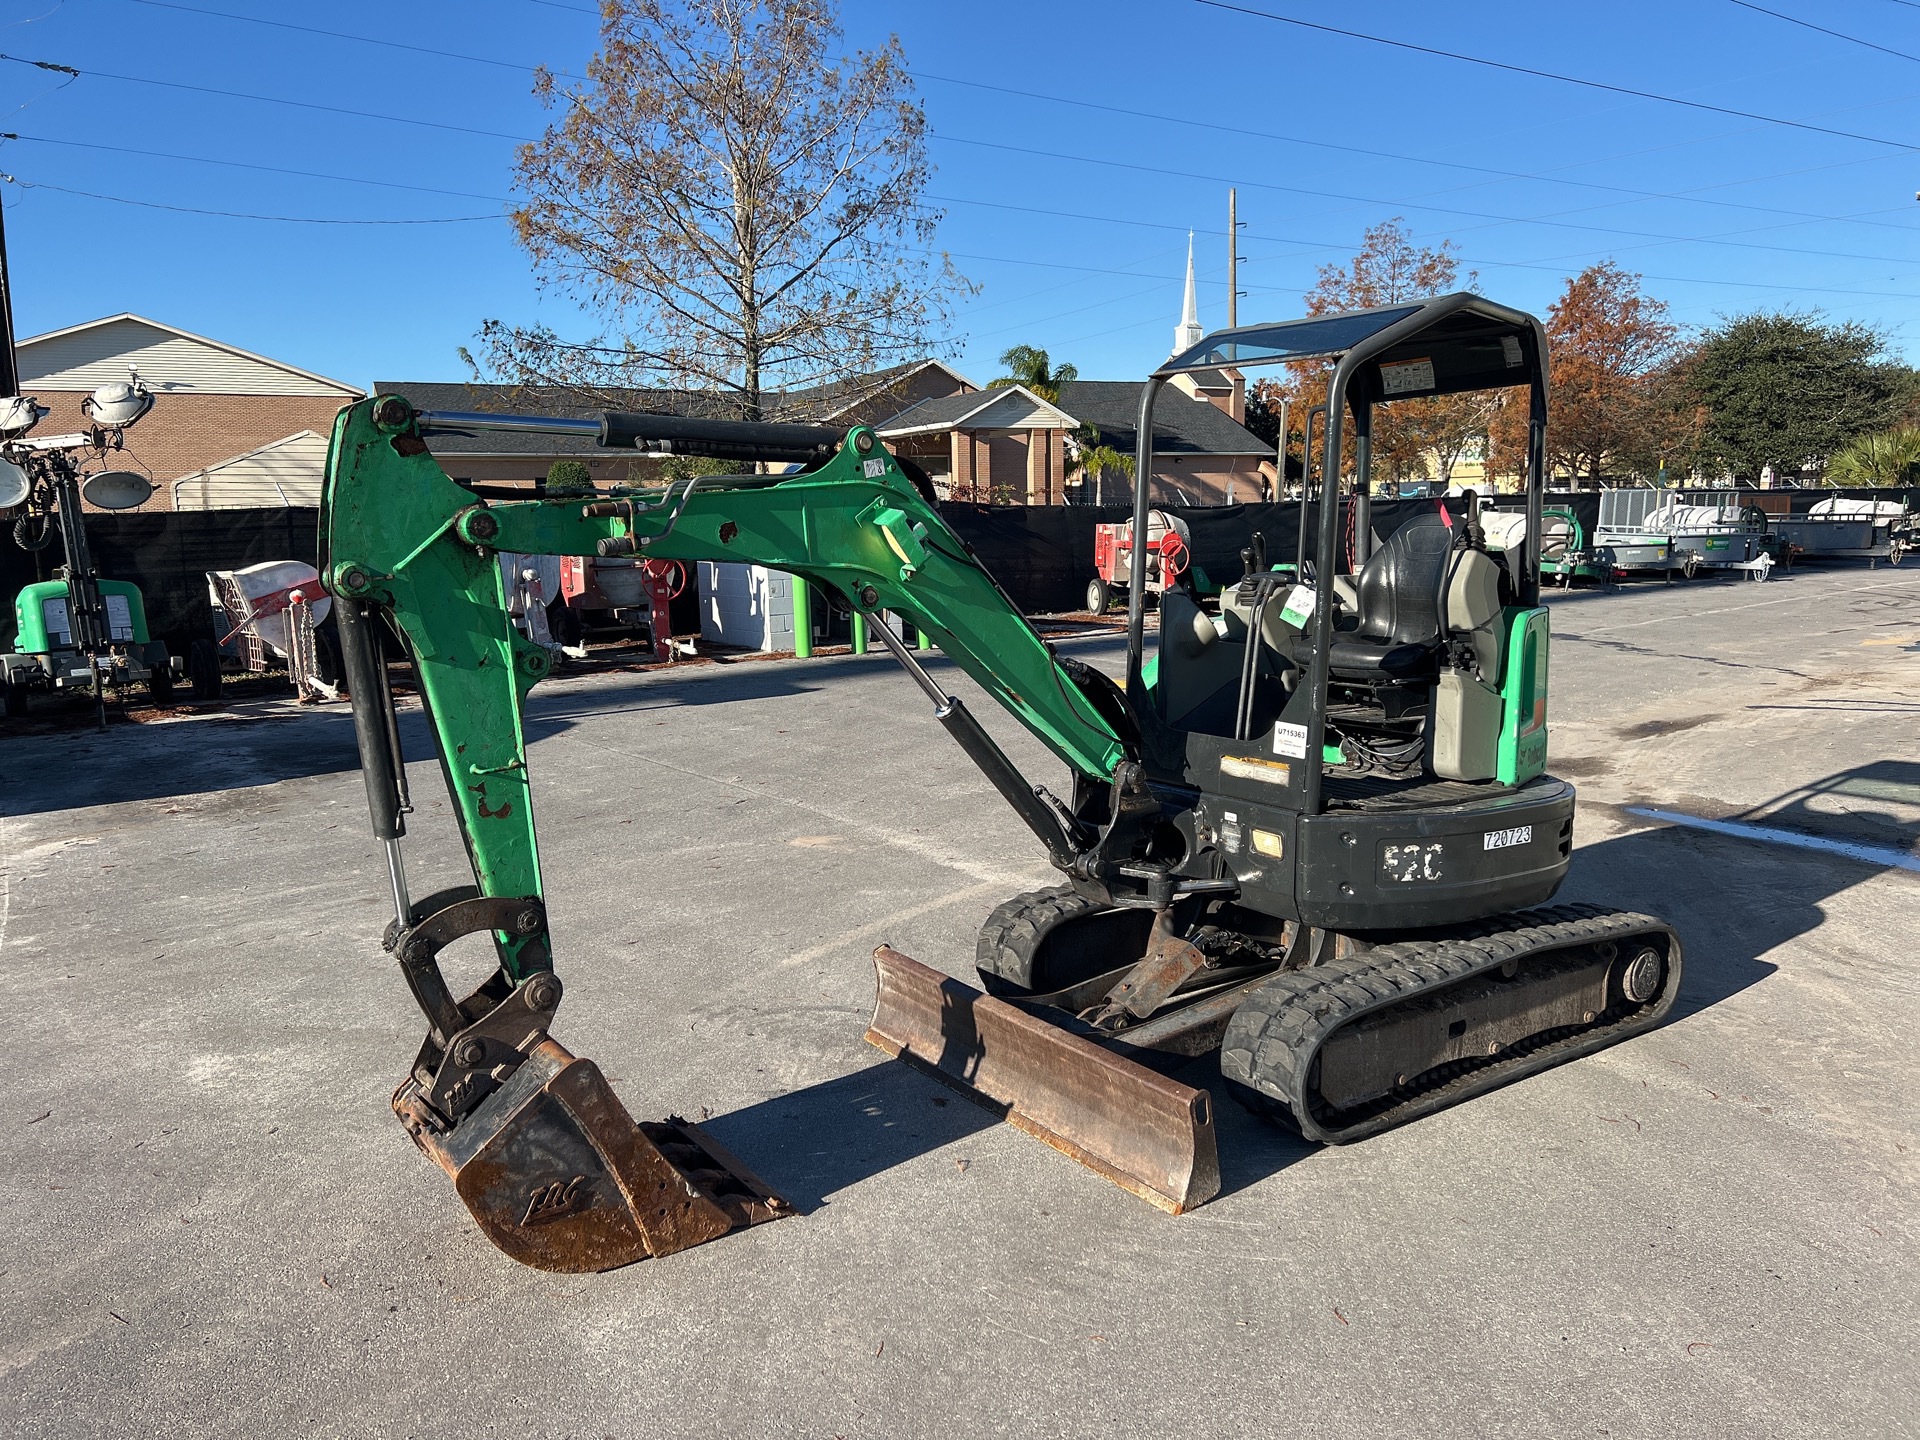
x=1033, y=369
x=1891, y=457
x=1097, y=460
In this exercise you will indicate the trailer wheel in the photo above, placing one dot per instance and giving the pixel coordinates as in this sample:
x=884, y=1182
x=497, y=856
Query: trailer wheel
x=13, y=700
x=203, y=669
x=1099, y=596
x=160, y=683
x=563, y=623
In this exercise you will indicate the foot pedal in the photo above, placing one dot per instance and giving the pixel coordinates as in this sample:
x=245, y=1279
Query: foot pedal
x=560, y=1177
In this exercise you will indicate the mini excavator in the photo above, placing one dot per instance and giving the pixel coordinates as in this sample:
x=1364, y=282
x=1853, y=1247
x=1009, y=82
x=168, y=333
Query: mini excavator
x=1313, y=831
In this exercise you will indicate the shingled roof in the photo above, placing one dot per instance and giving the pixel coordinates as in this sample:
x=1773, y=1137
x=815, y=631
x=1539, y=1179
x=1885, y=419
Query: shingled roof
x=1181, y=424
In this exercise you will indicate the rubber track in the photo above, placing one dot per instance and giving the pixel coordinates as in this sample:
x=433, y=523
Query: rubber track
x=1271, y=1042
x=1015, y=931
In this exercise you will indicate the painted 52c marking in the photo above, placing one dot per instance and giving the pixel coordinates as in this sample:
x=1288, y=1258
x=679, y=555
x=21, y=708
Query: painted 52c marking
x=1410, y=864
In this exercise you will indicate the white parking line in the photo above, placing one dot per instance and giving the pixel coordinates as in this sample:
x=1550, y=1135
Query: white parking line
x=1870, y=854
x=1820, y=597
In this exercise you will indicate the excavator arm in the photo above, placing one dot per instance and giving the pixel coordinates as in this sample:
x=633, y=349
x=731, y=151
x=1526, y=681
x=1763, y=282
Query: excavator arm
x=538, y=1146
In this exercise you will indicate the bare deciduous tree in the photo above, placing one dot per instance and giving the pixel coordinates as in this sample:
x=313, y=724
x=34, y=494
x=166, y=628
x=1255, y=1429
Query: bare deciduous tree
x=743, y=210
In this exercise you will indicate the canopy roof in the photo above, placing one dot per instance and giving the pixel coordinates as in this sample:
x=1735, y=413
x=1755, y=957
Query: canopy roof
x=1426, y=347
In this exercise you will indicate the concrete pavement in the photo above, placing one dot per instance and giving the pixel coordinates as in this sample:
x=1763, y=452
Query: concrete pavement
x=215, y=1226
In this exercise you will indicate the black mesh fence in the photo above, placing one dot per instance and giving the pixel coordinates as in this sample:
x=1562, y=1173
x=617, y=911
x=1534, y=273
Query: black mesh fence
x=167, y=555
x=1041, y=555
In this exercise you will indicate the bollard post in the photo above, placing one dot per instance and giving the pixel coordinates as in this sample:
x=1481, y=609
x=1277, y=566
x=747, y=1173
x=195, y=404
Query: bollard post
x=802, y=618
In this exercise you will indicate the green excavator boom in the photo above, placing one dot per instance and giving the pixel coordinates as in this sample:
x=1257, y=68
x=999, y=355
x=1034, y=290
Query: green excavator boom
x=408, y=552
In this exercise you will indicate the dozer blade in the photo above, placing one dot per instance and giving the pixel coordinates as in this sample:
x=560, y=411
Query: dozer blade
x=1148, y=1134
x=560, y=1177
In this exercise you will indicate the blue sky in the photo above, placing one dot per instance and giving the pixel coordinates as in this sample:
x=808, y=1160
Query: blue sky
x=1071, y=218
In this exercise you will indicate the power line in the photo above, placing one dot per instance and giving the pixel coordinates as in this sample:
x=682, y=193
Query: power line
x=1313, y=247
x=265, y=99
x=1415, y=205
x=1836, y=34
x=344, y=35
x=245, y=165
x=1553, y=75
x=234, y=214
x=1111, y=109
x=1243, y=132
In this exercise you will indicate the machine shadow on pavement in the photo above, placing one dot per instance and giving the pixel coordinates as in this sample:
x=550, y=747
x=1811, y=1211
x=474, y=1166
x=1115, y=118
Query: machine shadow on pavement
x=813, y=1142
x=1734, y=901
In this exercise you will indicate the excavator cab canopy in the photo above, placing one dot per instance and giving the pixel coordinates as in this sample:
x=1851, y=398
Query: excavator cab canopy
x=1432, y=347
x=1442, y=346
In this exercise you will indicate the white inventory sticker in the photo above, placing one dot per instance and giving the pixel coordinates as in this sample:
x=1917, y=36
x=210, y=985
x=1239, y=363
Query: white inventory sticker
x=1408, y=377
x=1290, y=740
x=1502, y=839
x=1299, y=607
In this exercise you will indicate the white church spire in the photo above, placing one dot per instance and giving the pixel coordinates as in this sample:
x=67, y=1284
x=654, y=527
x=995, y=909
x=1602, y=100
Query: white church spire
x=1189, y=333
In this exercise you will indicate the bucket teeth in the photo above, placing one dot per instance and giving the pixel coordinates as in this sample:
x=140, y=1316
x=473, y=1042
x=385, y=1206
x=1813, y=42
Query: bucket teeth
x=1150, y=1135
x=559, y=1176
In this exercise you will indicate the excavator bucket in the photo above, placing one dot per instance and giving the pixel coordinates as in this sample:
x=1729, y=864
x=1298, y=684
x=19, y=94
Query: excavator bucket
x=559, y=1176
x=1149, y=1135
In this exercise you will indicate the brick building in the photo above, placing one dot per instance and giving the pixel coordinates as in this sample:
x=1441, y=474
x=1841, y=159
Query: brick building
x=213, y=402
x=1008, y=446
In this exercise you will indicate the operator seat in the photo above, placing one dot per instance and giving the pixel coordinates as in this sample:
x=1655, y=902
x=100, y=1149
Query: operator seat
x=1399, y=607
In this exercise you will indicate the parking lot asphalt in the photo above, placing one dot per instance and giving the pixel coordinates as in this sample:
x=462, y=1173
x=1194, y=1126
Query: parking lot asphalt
x=216, y=1227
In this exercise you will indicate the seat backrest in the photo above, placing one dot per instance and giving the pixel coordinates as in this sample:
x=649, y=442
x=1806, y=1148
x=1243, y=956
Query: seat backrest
x=1400, y=584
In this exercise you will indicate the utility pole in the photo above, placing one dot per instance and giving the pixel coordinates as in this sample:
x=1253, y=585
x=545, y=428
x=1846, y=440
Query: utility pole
x=1233, y=258
x=9, y=367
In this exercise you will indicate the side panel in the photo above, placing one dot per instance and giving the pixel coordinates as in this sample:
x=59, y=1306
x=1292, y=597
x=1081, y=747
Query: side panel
x=30, y=612
x=1523, y=727
x=1410, y=869
x=30, y=616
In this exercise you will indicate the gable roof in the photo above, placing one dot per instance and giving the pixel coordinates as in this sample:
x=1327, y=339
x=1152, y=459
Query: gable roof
x=949, y=412
x=1181, y=424
x=64, y=352
x=287, y=471
x=834, y=399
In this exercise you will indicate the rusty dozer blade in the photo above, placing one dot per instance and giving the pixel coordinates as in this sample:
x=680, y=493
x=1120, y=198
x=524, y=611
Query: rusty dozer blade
x=560, y=1177
x=1149, y=1135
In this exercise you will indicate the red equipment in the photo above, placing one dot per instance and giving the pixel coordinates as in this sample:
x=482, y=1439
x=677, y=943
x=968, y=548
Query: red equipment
x=622, y=595
x=1168, y=555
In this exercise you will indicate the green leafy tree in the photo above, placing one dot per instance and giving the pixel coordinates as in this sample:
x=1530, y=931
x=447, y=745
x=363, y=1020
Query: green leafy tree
x=1034, y=369
x=568, y=477
x=1789, y=391
x=1887, y=457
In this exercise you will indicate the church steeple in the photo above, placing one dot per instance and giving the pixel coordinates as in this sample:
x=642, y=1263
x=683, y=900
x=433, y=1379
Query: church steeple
x=1188, y=333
